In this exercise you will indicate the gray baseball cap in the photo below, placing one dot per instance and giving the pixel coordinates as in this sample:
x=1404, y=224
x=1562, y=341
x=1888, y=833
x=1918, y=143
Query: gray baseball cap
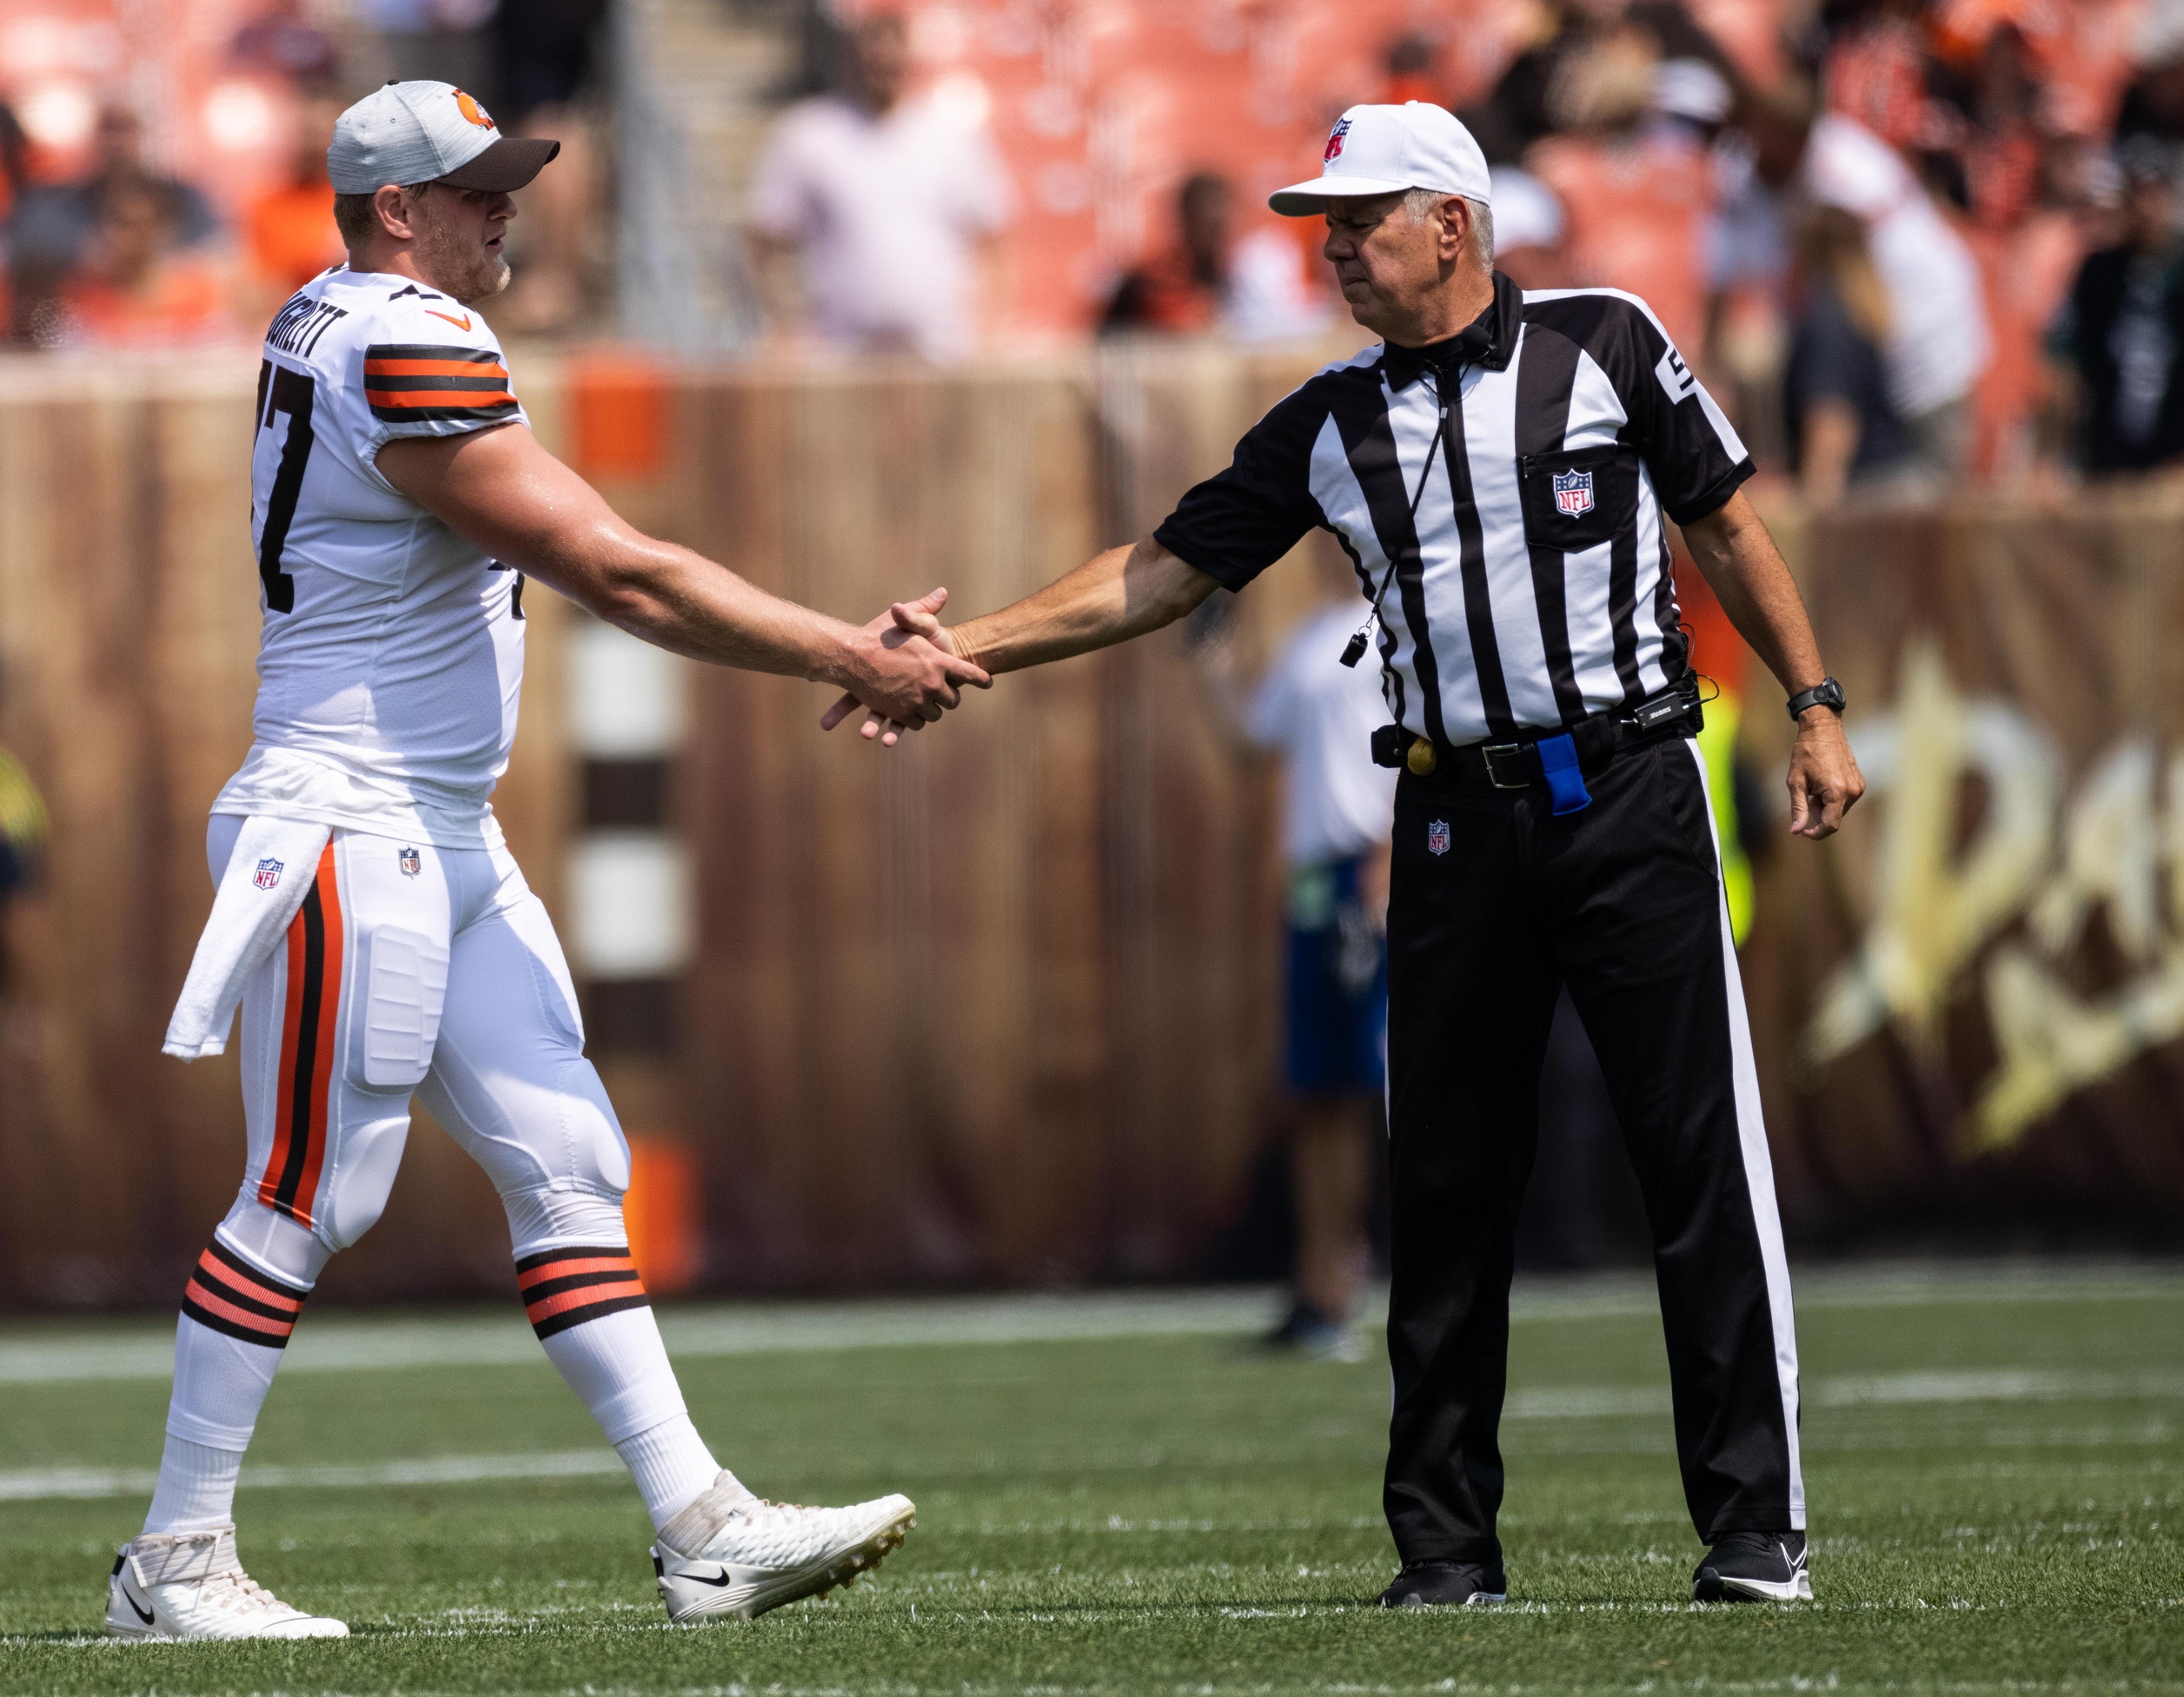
x=427, y=132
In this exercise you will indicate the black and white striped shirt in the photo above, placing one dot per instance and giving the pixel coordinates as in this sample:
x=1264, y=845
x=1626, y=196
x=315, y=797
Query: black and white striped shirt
x=1532, y=587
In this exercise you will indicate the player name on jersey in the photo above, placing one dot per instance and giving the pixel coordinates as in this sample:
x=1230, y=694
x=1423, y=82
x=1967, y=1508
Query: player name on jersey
x=297, y=326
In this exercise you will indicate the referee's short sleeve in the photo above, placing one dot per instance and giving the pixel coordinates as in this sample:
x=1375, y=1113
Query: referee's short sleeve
x=1696, y=458
x=1240, y=521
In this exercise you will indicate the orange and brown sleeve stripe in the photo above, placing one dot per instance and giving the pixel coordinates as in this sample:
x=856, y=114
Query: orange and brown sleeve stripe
x=565, y=1288
x=227, y=1294
x=422, y=383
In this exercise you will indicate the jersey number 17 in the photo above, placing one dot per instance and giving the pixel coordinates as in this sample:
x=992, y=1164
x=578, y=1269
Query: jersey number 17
x=280, y=390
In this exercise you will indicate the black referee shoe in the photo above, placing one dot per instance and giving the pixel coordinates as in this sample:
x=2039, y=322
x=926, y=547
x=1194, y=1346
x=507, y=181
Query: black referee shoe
x=1435, y=1584
x=1753, y=1567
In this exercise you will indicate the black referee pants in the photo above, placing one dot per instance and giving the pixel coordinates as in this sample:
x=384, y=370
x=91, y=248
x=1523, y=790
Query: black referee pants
x=1496, y=904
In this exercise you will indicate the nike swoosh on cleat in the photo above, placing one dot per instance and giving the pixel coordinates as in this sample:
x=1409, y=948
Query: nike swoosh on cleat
x=723, y=1578
x=143, y=1615
x=461, y=323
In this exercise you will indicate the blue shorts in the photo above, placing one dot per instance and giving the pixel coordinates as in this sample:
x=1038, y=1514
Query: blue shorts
x=1337, y=1003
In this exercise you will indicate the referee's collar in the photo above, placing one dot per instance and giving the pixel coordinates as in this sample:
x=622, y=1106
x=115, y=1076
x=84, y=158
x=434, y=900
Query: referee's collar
x=1488, y=339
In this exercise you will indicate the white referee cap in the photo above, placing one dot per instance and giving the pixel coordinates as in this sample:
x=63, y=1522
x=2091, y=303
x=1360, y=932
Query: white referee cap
x=1382, y=150
x=427, y=132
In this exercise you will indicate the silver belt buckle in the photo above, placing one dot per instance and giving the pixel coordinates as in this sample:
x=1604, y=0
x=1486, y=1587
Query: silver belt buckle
x=1490, y=752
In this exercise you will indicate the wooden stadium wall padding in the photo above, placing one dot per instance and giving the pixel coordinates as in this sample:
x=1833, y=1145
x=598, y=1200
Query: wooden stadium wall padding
x=1001, y=1005
x=2017, y=873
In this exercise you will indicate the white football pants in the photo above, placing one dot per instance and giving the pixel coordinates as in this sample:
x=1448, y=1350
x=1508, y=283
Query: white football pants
x=416, y=970
x=433, y=971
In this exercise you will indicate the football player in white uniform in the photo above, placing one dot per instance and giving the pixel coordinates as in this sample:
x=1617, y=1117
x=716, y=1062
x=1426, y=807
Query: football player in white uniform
x=369, y=922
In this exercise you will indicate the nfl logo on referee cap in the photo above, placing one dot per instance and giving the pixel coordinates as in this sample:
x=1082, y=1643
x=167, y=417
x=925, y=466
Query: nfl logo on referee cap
x=1573, y=493
x=1334, y=141
x=267, y=875
x=1437, y=837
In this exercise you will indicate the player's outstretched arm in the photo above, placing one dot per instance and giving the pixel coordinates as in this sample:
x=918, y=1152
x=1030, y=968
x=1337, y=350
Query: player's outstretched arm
x=1111, y=598
x=501, y=490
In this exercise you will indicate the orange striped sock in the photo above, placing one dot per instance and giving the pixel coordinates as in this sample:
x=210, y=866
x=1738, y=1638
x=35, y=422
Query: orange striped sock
x=565, y=1288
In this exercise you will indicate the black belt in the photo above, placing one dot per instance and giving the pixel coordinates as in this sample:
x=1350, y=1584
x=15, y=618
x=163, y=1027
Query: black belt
x=1558, y=759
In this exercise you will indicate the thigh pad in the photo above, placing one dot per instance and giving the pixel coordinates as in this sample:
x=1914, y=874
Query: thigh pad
x=405, y=973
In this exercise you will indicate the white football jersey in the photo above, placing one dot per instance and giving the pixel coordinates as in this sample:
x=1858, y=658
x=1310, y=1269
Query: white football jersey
x=391, y=656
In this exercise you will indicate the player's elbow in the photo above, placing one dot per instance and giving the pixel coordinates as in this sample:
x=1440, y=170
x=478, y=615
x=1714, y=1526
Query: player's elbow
x=600, y=567
x=630, y=599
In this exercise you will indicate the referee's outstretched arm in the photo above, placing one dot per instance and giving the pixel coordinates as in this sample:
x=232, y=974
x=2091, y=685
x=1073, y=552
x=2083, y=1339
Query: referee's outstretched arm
x=1129, y=591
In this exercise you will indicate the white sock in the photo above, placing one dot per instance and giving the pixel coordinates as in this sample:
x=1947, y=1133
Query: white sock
x=219, y=1384
x=673, y=1467
x=590, y=1310
x=197, y=1488
x=236, y=1319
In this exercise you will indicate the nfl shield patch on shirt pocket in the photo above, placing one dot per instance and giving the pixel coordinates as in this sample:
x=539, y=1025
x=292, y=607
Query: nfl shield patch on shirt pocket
x=407, y=980
x=1580, y=499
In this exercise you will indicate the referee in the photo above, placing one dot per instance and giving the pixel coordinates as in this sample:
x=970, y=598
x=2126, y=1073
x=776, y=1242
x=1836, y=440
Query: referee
x=1501, y=470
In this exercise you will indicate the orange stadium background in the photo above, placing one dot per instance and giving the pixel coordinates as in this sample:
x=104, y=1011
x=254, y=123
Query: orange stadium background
x=206, y=122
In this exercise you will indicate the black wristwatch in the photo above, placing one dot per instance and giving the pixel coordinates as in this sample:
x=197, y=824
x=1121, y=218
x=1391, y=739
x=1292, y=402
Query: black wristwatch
x=1825, y=693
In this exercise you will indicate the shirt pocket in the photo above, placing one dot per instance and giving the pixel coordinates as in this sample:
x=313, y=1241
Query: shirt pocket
x=1580, y=498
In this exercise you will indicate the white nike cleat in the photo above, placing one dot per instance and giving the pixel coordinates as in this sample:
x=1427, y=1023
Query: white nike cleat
x=191, y=1585
x=730, y=1552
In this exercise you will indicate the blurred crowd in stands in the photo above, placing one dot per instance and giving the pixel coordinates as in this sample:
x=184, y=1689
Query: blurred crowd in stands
x=105, y=249
x=1908, y=243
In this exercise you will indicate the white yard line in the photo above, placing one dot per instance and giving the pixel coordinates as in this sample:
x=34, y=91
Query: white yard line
x=340, y=1343
x=36, y=1353
x=37, y=1483
x=1567, y=1403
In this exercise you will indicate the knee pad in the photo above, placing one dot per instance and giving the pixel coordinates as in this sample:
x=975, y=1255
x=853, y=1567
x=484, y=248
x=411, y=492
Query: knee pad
x=354, y=1195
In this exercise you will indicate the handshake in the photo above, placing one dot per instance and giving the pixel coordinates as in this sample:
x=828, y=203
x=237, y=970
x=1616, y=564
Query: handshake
x=903, y=669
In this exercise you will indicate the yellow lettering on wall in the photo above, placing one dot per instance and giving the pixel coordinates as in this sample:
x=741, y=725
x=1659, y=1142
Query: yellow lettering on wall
x=1936, y=911
x=2053, y=1044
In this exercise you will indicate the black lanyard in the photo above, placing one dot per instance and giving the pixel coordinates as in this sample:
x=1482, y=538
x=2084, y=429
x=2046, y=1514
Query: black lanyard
x=1356, y=651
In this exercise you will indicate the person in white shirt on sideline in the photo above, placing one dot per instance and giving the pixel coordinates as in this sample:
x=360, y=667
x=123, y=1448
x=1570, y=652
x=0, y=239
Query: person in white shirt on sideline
x=1337, y=815
x=893, y=206
x=1939, y=343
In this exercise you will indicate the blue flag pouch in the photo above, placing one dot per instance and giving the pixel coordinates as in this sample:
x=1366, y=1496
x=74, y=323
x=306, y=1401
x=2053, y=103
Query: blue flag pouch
x=1558, y=764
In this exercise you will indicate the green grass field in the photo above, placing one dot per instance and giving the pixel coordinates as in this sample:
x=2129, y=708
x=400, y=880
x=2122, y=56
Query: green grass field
x=1992, y=1458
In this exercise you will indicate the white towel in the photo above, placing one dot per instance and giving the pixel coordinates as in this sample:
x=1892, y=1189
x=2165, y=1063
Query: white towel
x=267, y=875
